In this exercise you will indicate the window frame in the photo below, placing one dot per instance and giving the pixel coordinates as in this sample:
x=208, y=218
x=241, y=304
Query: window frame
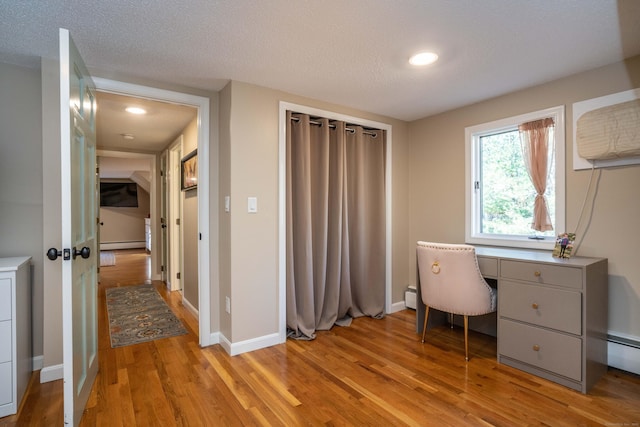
x=472, y=174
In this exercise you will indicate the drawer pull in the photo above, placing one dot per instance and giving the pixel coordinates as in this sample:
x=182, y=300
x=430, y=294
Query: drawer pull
x=537, y=273
x=534, y=306
x=536, y=347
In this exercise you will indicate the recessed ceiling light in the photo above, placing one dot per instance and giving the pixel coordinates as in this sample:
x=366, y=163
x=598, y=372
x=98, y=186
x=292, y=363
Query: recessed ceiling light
x=423, y=58
x=135, y=110
x=127, y=136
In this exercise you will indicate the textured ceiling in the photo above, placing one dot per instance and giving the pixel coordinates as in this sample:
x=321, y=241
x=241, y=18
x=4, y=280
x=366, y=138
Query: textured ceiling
x=349, y=52
x=152, y=131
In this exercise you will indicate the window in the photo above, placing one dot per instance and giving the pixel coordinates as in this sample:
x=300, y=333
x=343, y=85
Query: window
x=500, y=195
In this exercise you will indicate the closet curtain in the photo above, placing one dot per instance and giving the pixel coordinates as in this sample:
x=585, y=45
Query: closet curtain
x=335, y=224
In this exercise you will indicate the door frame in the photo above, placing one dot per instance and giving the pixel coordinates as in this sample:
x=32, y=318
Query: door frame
x=164, y=257
x=202, y=104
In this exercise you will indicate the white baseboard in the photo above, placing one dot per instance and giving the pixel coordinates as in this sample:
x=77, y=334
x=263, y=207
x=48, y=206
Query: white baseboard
x=109, y=246
x=37, y=362
x=190, y=307
x=51, y=373
x=624, y=354
x=397, y=306
x=249, y=345
x=268, y=340
x=214, y=338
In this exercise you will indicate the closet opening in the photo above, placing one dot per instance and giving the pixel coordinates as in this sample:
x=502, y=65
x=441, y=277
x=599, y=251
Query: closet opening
x=335, y=216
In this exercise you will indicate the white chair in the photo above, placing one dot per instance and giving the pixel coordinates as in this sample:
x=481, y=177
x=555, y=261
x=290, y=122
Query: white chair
x=450, y=281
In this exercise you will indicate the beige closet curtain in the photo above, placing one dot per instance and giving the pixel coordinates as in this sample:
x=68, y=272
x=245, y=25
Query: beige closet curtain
x=335, y=224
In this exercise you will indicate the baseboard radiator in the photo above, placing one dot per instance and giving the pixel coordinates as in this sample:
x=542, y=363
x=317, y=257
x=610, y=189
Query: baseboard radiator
x=110, y=246
x=624, y=353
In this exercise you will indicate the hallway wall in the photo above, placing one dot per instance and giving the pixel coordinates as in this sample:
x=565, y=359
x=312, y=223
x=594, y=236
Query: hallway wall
x=21, y=215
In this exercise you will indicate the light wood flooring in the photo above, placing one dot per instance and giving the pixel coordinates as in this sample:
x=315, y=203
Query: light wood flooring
x=374, y=373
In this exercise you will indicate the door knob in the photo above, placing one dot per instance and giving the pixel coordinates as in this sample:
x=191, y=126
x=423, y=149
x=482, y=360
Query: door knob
x=53, y=254
x=85, y=252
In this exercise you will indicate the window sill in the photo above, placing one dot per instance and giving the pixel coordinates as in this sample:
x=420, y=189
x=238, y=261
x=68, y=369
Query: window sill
x=521, y=243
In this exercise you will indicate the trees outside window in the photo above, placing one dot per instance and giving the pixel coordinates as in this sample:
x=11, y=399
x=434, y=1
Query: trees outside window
x=500, y=195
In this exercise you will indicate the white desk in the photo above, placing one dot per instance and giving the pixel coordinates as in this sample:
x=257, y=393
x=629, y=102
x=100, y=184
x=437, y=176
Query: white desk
x=552, y=313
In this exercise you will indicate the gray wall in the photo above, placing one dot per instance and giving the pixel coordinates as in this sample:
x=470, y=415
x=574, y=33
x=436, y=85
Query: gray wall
x=21, y=177
x=249, y=138
x=22, y=144
x=189, y=225
x=612, y=229
x=431, y=148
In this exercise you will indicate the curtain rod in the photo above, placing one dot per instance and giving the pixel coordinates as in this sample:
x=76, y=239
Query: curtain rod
x=313, y=122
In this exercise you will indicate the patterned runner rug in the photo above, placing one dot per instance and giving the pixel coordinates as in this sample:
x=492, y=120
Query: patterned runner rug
x=139, y=314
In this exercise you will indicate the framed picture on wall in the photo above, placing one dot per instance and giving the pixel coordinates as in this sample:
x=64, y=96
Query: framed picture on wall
x=189, y=171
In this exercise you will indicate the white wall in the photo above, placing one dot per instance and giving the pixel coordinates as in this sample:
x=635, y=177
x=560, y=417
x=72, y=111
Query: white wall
x=125, y=224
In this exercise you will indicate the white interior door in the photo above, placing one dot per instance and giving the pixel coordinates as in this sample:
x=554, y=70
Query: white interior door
x=79, y=265
x=175, y=215
x=164, y=257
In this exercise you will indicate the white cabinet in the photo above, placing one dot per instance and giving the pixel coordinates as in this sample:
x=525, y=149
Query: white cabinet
x=15, y=332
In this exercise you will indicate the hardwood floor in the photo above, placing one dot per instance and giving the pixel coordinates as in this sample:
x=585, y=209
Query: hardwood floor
x=374, y=373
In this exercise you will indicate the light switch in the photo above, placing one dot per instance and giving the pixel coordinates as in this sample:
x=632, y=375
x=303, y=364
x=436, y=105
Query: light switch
x=252, y=205
x=227, y=204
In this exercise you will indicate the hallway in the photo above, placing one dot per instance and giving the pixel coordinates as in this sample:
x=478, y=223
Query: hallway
x=127, y=374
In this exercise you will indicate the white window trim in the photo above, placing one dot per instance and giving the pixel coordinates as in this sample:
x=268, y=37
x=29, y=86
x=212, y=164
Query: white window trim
x=472, y=202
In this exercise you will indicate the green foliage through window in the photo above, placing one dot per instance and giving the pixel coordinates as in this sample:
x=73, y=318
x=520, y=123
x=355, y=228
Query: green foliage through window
x=506, y=192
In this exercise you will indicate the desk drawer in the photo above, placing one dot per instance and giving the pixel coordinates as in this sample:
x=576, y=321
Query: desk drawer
x=5, y=299
x=488, y=266
x=542, y=273
x=552, y=351
x=543, y=306
x=6, y=384
x=6, y=346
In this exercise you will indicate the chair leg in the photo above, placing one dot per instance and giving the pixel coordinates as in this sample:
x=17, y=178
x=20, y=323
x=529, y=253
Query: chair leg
x=466, y=338
x=426, y=317
x=451, y=320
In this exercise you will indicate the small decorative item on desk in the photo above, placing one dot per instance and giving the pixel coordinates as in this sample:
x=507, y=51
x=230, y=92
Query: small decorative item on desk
x=564, y=245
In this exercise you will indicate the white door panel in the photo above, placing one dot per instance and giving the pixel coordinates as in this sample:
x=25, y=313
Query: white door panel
x=79, y=213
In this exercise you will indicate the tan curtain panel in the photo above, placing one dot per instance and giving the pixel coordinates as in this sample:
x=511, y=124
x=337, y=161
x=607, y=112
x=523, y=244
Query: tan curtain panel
x=536, y=139
x=335, y=224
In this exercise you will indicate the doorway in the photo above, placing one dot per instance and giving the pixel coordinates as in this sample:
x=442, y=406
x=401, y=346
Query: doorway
x=201, y=104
